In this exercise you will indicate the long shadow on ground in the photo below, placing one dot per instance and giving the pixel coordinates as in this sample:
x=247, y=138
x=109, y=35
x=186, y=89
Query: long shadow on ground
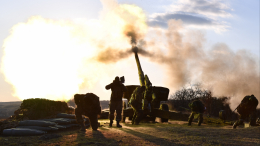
x=150, y=138
x=94, y=138
x=215, y=135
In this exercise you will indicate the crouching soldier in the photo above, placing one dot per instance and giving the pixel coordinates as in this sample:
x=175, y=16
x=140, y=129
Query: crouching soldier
x=197, y=110
x=247, y=108
x=136, y=103
x=88, y=105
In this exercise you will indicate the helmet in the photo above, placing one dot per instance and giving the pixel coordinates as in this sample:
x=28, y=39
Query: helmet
x=116, y=78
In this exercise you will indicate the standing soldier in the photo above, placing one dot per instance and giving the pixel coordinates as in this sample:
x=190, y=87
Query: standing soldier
x=149, y=96
x=197, y=110
x=117, y=88
x=136, y=103
x=88, y=105
x=247, y=108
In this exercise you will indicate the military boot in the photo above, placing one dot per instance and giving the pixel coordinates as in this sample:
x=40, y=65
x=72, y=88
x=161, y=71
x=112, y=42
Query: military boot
x=133, y=119
x=235, y=125
x=136, y=122
x=82, y=127
x=111, y=123
x=189, y=121
x=200, y=120
x=118, y=125
x=191, y=117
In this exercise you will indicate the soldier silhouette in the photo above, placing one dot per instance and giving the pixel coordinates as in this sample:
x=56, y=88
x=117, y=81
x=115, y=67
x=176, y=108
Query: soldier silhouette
x=88, y=105
x=118, y=88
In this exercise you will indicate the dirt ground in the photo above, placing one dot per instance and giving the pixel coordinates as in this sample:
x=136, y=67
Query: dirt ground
x=152, y=134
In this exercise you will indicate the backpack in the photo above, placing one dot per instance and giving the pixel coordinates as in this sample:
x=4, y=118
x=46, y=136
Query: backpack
x=253, y=101
x=197, y=106
x=89, y=101
x=92, y=103
x=247, y=105
x=249, y=102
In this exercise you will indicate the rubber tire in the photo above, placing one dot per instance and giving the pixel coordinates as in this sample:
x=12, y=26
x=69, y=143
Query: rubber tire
x=164, y=107
x=153, y=119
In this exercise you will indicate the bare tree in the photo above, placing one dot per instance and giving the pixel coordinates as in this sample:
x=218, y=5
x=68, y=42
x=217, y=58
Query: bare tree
x=180, y=99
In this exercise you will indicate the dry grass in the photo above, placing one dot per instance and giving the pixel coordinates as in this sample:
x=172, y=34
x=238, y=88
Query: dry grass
x=172, y=133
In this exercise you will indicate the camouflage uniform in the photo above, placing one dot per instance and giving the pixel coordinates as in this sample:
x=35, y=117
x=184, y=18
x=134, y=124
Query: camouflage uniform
x=149, y=96
x=149, y=99
x=136, y=103
x=197, y=109
x=116, y=100
x=88, y=105
x=247, y=108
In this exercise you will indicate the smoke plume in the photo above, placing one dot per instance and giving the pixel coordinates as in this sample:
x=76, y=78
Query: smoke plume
x=112, y=55
x=219, y=69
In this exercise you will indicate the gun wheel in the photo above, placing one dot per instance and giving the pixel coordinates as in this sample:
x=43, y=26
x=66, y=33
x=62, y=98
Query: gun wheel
x=164, y=107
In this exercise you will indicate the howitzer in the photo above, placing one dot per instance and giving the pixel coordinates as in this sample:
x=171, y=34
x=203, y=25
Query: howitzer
x=158, y=93
x=149, y=95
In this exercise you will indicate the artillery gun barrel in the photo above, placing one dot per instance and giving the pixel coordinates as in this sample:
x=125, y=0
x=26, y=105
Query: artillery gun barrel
x=140, y=72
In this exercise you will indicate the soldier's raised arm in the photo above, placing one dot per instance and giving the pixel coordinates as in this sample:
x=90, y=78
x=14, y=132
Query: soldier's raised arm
x=109, y=86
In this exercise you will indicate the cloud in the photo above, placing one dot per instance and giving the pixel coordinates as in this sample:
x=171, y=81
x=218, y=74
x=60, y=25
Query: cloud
x=195, y=21
x=161, y=20
x=203, y=14
x=213, y=8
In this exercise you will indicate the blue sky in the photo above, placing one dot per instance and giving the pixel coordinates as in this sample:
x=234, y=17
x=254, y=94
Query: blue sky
x=233, y=22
